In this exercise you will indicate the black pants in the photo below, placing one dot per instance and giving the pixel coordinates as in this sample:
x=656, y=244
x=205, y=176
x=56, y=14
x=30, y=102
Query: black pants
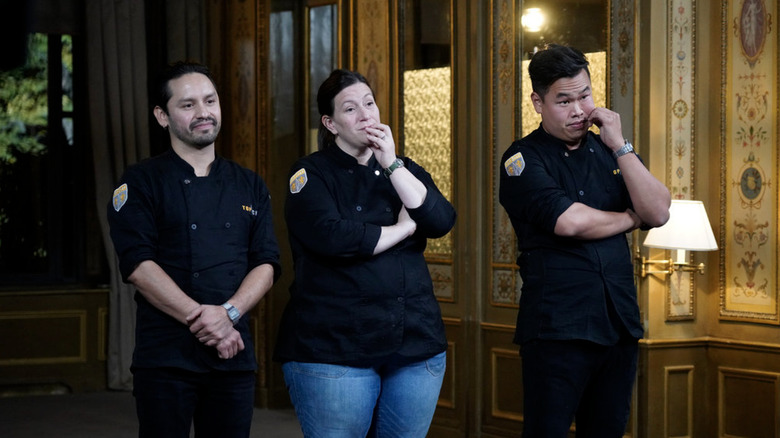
x=169, y=401
x=577, y=380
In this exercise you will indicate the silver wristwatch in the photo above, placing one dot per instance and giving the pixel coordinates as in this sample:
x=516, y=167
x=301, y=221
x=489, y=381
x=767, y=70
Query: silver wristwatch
x=232, y=312
x=627, y=148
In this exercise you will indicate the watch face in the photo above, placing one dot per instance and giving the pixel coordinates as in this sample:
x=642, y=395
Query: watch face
x=232, y=312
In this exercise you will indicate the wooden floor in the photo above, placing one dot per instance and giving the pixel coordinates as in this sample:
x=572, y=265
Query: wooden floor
x=105, y=414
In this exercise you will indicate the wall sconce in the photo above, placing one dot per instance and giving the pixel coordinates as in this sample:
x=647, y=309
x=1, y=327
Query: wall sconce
x=688, y=229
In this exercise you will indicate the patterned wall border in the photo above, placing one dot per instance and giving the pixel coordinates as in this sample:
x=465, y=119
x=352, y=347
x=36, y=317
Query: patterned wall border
x=680, y=142
x=621, y=54
x=506, y=97
x=749, y=117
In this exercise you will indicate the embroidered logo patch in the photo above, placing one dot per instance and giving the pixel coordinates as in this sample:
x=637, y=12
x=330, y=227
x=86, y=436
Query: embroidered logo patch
x=120, y=197
x=298, y=180
x=515, y=164
x=248, y=208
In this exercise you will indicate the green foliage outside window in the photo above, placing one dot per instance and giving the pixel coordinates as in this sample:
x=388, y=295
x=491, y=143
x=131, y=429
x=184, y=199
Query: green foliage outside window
x=23, y=105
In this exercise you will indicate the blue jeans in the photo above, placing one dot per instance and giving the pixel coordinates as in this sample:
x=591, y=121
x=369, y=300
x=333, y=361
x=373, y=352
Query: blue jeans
x=391, y=400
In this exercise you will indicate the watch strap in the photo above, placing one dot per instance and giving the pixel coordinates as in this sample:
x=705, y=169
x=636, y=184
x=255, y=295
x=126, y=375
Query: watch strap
x=396, y=164
x=627, y=148
x=232, y=312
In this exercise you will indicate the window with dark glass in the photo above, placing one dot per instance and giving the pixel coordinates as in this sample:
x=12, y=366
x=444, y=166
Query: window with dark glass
x=45, y=169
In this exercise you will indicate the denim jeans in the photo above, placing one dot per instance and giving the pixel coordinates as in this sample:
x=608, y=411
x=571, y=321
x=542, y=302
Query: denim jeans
x=391, y=400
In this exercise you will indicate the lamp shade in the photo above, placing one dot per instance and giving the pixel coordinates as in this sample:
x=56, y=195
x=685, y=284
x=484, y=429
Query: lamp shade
x=688, y=228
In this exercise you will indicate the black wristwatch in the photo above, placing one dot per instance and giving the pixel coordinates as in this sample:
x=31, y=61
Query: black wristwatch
x=232, y=312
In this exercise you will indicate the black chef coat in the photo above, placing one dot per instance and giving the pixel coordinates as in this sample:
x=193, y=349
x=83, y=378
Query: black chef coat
x=346, y=305
x=572, y=288
x=206, y=233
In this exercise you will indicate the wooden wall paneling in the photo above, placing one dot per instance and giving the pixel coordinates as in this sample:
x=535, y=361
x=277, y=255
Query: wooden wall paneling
x=373, y=47
x=748, y=403
x=502, y=397
x=69, y=325
x=451, y=410
x=678, y=400
x=745, y=382
x=53, y=341
x=672, y=397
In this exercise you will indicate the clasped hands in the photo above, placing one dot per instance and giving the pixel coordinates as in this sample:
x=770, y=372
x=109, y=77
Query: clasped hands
x=212, y=327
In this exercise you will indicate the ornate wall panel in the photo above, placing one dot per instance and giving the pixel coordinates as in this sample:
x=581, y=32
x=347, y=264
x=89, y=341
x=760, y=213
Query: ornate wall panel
x=506, y=97
x=749, y=271
x=428, y=134
x=680, y=131
x=621, y=57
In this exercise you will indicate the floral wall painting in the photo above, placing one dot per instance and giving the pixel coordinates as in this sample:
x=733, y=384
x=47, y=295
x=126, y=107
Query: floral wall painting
x=749, y=268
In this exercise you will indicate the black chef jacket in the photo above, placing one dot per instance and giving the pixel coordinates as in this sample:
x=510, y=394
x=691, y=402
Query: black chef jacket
x=346, y=305
x=572, y=288
x=206, y=233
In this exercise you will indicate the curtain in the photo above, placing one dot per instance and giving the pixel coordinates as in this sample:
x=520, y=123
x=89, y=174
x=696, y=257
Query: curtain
x=119, y=131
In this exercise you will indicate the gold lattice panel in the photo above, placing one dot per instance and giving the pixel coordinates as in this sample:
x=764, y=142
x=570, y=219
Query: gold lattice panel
x=427, y=133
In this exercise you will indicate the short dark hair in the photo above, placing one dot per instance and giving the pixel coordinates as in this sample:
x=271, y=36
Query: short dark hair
x=552, y=63
x=326, y=95
x=162, y=92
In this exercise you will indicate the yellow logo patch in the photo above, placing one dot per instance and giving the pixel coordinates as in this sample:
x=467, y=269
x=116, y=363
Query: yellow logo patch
x=515, y=164
x=298, y=180
x=120, y=197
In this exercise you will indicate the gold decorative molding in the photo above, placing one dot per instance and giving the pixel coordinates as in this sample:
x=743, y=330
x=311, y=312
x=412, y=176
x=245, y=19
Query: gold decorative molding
x=710, y=342
x=447, y=398
x=623, y=45
x=496, y=410
x=43, y=321
x=102, y=333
